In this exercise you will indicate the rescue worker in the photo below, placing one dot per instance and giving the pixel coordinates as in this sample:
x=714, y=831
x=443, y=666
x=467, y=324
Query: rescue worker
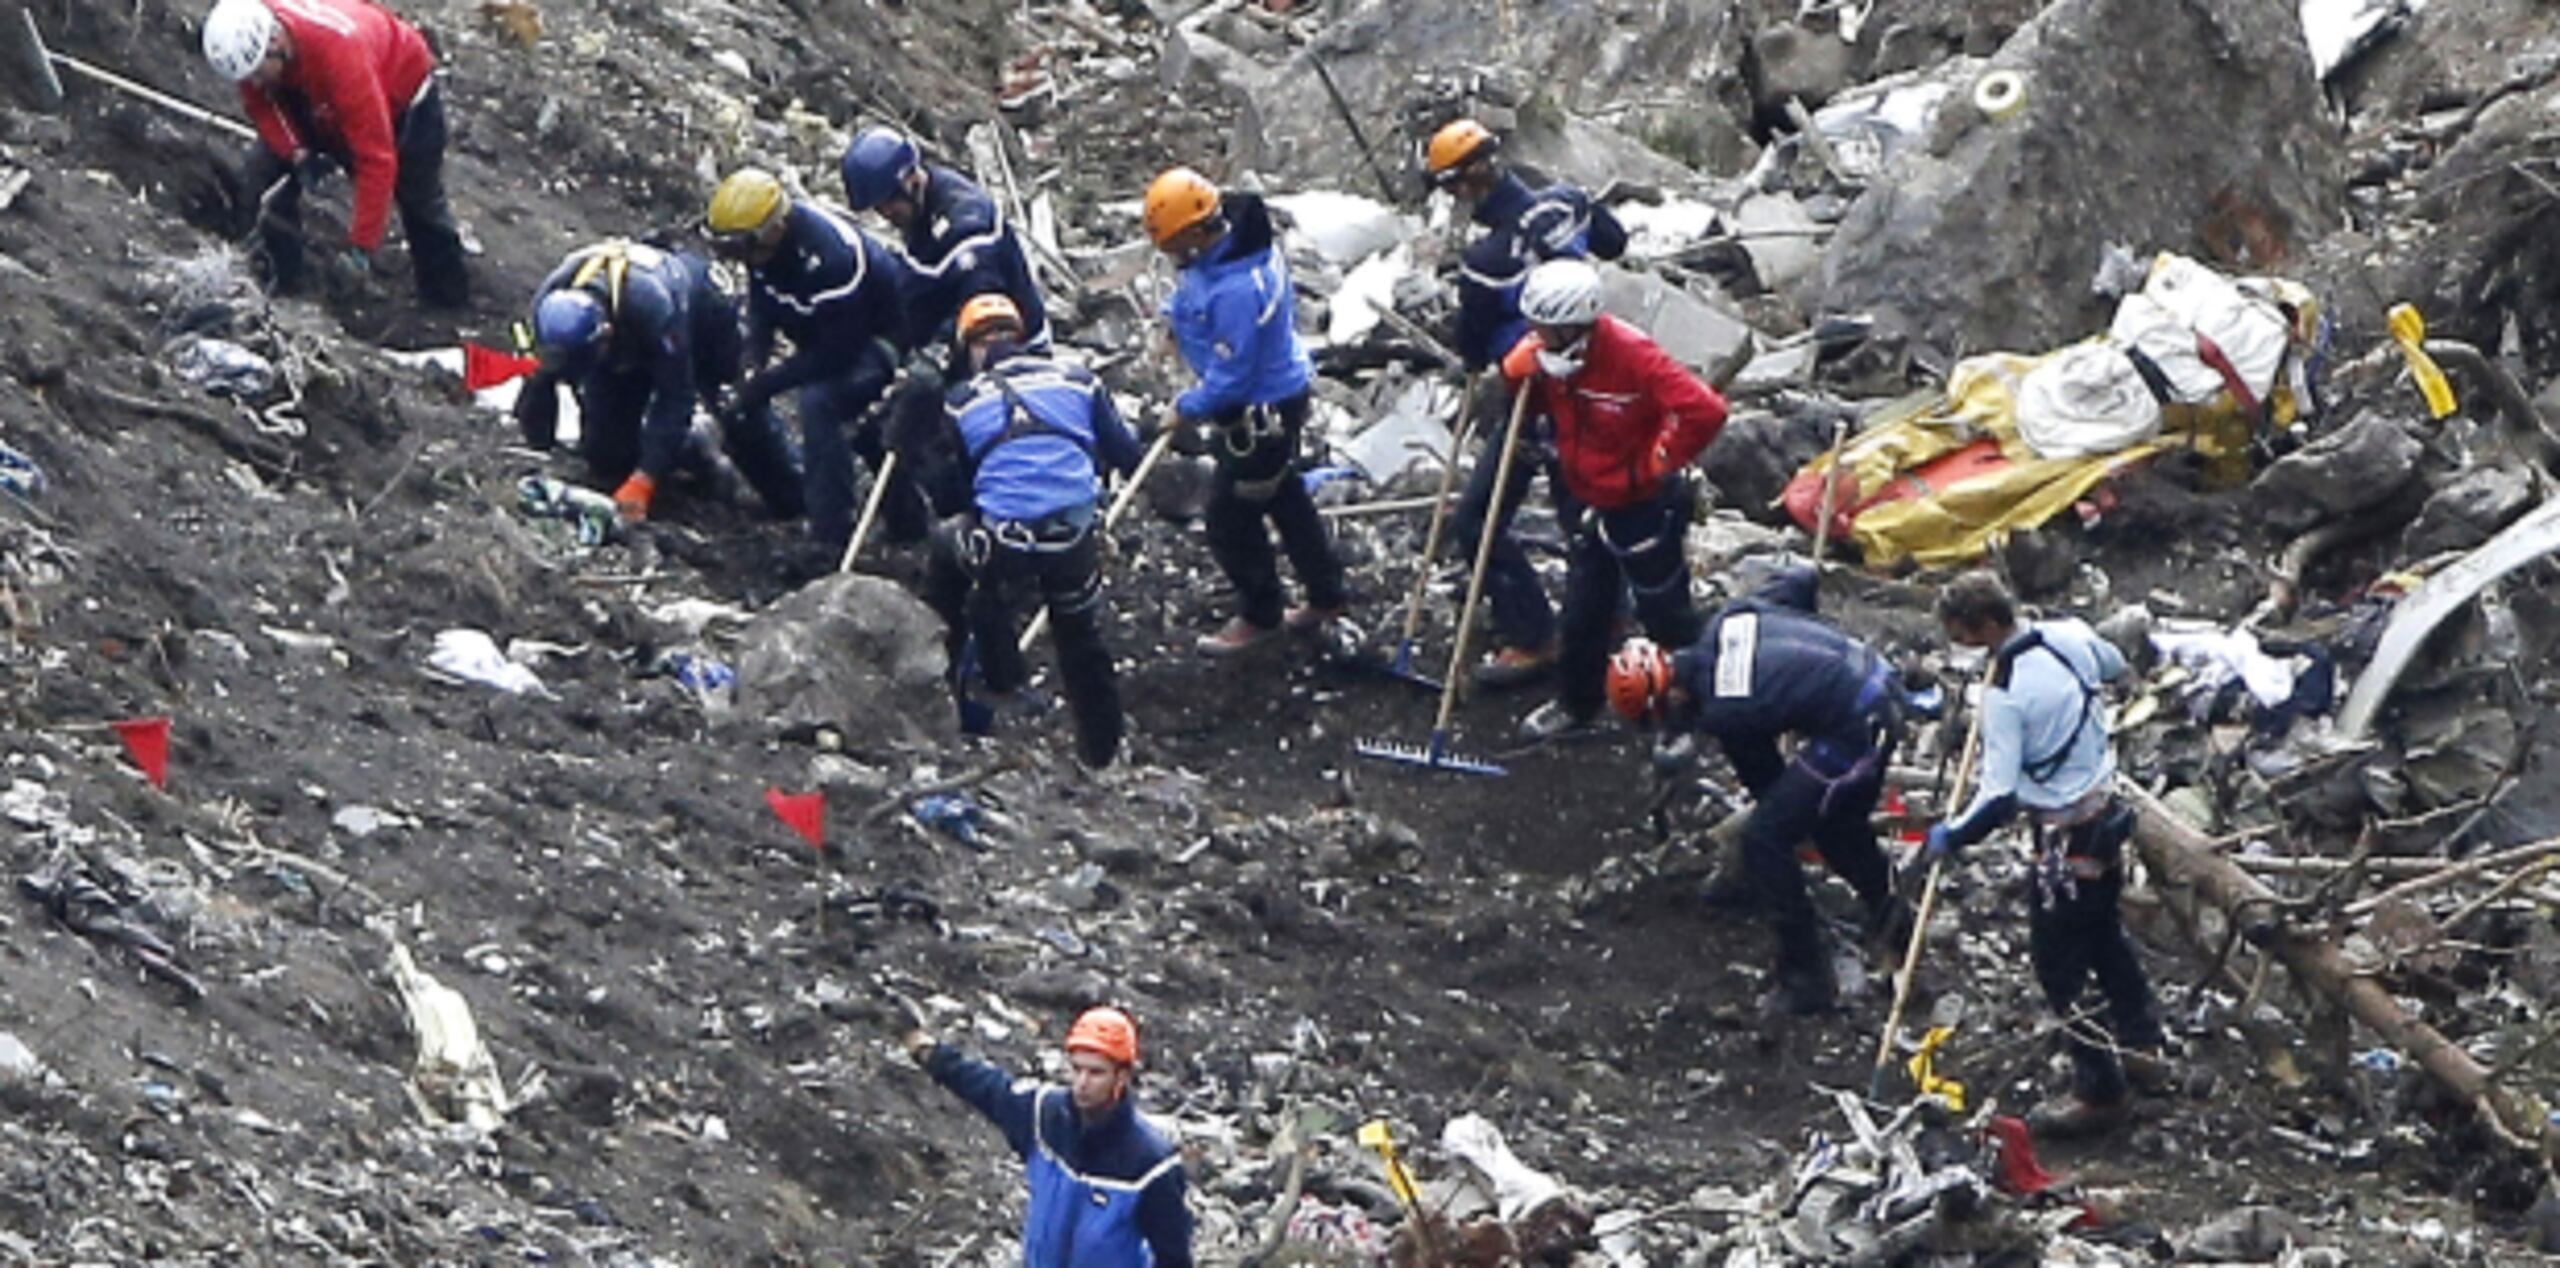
x=1627, y=421
x=642, y=335
x=957, y=244
x=347, y=81
x=1764, y=669
x=1106, y=1186
x=837, y=295
x=1523, y=227
x=1035, y=433
x=1234, y=316
x=2045, y=751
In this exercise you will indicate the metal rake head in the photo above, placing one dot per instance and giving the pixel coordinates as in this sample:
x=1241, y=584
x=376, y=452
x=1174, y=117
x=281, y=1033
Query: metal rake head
x=1434, y=756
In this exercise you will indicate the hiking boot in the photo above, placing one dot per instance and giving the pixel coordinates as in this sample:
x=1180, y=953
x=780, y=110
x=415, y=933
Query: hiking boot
x=1514, y=667
x=1806, y=988
x=1307, y=618
x=1022, y=704
x=2149, y=1070
x=2074, y=1117
x=1236, y=636
x=1551, y=721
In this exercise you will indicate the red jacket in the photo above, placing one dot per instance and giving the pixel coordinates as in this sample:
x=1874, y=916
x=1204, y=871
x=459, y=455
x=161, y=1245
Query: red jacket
x=1629, y=418
x=357, y=68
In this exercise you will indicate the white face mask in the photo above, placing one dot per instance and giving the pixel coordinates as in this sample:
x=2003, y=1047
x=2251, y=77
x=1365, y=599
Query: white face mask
x=1564, y=362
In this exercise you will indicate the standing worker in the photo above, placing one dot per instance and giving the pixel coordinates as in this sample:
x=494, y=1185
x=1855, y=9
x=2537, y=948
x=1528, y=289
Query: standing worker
x=1234, y=316
x=642, y=335
x=1627, y=421
x=1523, y=228
x=2045, y=749
x=347, y=81
x=1033, y=432
x=958, y=245
x=1106, y=1186
x=836, y=294
x=1767, y=668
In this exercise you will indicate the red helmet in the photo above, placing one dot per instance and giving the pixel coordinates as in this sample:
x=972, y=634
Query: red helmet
x=1638, y=676
x=1106, y=1032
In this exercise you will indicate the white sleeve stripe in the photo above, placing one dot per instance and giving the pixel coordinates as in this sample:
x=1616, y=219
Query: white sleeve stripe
x=958, y=249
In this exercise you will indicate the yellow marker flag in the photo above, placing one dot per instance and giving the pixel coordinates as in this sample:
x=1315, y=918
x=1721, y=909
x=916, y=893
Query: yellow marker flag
x=1923, y=1067
x=2410, y=331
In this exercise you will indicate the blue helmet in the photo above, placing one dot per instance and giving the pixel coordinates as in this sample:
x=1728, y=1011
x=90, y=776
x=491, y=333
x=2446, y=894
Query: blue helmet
x=874, y=164
x=568, y=326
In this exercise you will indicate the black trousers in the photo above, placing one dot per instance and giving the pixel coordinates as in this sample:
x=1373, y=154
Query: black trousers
x=1834, y=810
x=435, y=239
x=1641, y=549
x=1257, y=454
x=976, y=578
x=1521, y=615
x=2075, y=932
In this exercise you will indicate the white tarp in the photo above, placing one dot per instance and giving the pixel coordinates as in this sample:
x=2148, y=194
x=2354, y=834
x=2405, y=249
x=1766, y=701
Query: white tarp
x=2337, y=30
x=2090, y=399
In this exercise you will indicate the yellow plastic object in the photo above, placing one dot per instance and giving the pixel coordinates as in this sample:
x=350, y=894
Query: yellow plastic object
x=1374, y=1134
x=1924, y=1074
x=2410, y=331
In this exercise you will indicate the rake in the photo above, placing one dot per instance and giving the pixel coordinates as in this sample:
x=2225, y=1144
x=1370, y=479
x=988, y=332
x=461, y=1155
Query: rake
x=1401, y=667
x=1436, y=755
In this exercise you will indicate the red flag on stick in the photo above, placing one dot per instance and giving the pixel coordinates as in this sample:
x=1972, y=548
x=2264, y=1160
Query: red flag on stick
x=146, y=740
x=806, y=813
x=484, y=367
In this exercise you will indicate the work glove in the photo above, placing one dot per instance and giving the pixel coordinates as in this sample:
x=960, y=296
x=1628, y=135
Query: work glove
x=312, y=168
x=1675, y=755
x=1521, y=363
x=632, y=499
x=355, y=261
x=924, y=371
x=1939, y=846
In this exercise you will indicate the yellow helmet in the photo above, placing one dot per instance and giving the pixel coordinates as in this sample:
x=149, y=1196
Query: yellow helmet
x=745, y=203
x=983, y=311
x=1177, y=200
x=1457, y=144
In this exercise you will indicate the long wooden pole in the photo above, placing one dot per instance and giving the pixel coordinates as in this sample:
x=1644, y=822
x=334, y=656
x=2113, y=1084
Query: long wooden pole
x=1459, y=645
x=1439, y=517
x=1909, y=969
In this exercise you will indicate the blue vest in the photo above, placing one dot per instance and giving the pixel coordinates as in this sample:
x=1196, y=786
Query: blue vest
x=1077, y=1220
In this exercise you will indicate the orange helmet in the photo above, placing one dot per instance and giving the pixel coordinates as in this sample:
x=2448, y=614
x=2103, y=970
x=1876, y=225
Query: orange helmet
x=1638, y=675
x=1177, y=200
x=1457, y=144
x=984, y=311
x=1106, y=1032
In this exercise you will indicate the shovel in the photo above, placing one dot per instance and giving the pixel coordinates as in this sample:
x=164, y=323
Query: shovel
x=1910, y=966
x=39, y=62
x=1436, y=755
x=1402, y=666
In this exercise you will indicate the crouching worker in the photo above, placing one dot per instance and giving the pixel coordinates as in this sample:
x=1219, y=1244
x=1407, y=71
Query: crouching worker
x=1106, y=1186
x=643, y=336
x=1765, y=669
x=1035, y=434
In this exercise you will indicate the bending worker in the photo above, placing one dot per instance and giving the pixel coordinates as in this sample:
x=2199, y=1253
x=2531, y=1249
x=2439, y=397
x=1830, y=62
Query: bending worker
x=1034, y=433
x=2045, y=750
x=1106, y=1186
x=836, y=294
x=1766, y=668
x=347, y=81
x=1234, y=315
x=1627, y=421
x=642, y=335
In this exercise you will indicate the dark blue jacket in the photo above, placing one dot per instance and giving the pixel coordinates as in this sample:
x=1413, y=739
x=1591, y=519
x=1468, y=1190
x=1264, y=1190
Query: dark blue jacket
x=1234, y=314
x=1024, y=468
x=1767, y=667
x=671, y=324
x=959, y=246
x=1523, y=227
x=831, y=289
x=1107, y=1195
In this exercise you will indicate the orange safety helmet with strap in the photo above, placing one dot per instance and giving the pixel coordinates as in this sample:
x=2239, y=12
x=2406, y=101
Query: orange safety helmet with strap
x=1177, y=200
x=1105, y=1032
x=985, y=312
x=1457, y=144
x=1639, y=674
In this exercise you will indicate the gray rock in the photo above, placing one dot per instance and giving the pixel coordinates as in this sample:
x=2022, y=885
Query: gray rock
x=1757, y=453
x=1700, y=330
x=1985, y=241
x=2468, y=511
x=1790, y=61
x=2253, y=1233
x=18, y=1064
x=852, y=652
x=2363, y=464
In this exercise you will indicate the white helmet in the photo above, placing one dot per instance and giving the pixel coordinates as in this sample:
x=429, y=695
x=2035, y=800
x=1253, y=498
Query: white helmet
x=1561, y=293
x=237, y=35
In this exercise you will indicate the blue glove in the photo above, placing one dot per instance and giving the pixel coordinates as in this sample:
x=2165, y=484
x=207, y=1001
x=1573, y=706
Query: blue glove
x=1940, y=845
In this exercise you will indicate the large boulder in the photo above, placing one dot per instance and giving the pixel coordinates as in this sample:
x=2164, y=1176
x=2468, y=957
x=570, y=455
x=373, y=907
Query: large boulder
x=859, y=654
x=2362, y=465
x=2188, y=125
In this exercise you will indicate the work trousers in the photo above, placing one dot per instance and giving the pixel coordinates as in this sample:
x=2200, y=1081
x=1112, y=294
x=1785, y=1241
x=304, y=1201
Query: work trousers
x=835, y=427
x=1518, y=601
x=1257, y=480
x=1834, y=807
x=435, y=238
x=2075, y=931
x=1639, y=549
x=978, y=574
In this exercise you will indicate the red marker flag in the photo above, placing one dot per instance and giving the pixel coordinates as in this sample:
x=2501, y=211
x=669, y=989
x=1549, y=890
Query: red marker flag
x=806, y=813
x=146, y=740
x=484, y=367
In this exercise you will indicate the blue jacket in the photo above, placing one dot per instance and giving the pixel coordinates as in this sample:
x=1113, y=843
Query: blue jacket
x=2044, y=727
x=959, y=246
x=1523, y=227
x=1109, y=1195
x=670, y=322
x=1765, y=668
x=1027, y=468
x=1234, y=314
x=831, y=289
